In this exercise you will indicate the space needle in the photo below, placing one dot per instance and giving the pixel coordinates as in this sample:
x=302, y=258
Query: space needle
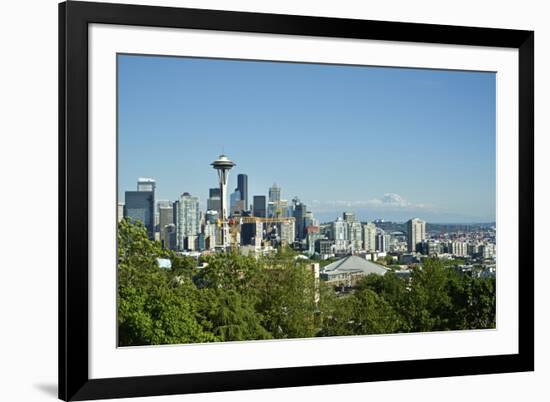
x=223, y=165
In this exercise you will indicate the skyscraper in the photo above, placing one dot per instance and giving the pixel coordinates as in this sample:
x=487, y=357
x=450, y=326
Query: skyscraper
x=188, y=225
x=140, y=206
x=383, y=242
x=287, y=230
x=242, y=186
x=274, y=193
x=369, y=237
x=299, y=214
x=416, y=233
x=274, y=204
x=259, y=207
x=214, y=201
x=166, y=217
x=236, y=204
x=168, y=237
x=146, y=184
x=354, y=231
x=348, y=217
x=355, y=235
x=214, y=192
x=210, y=229
x=340, y=235
x=252, y=233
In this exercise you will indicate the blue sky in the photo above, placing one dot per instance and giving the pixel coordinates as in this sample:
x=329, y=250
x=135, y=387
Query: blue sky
x=386, y=143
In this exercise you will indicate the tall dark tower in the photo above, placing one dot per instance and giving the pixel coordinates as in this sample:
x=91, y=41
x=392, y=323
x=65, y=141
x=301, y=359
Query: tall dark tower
x=259, y=206
x=242, y=186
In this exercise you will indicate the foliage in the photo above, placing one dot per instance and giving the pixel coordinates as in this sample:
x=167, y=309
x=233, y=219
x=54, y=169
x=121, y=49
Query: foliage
x=363, y=312
x=150, y=309
x=230, y=316
x=285, y=294
x=235, y=297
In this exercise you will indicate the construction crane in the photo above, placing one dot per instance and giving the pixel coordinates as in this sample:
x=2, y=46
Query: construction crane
x=254, y=219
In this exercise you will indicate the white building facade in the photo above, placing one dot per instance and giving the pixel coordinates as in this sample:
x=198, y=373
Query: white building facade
x=188, y=222
x=369, y=237
x=416, y=233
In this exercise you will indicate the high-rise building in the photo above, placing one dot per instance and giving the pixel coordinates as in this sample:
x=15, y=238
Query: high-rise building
x=146, y=184
x=299, y=214
x=340, y=235
x=201, y=242
x=210, y=232
x=474, y=249
x=309, y=220
x=283, y=209
x=354, y=231
x=214, y=204
x=235, y=202
x=355, y=235
x=288, y=231
x=214, y=201
x=431, y=247
x=259, y=207
x=242, y=186
x=168, y=237
x=323, y=246
x=459, y=248
x=348, y=217
x=274, y=201
x=312, y=235
x=166, y=214
x=252, y=233
x=369, y=237
x=416, y=233
x=383, y=242
x=274, y=193
x=166, y=217
x=487, y=250
x=175, y=209
x=214, y=192
x=188, y=224
x=140, y=206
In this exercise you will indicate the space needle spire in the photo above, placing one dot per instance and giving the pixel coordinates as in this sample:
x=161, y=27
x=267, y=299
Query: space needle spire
x=223, y=165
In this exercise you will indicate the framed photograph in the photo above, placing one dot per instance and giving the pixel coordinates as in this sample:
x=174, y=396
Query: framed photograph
x=257, y=200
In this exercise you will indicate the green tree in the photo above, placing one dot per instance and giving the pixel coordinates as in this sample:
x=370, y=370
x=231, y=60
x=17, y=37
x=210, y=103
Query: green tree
x=151, y=309
x=483, y=313
x=230, y=316
x=235, y=297
x=394, y=291
x=429, y=300
x=285, y=296
x=361, y=313
x=230, y=271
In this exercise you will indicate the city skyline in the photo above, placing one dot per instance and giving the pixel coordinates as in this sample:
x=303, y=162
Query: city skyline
x=380, y=165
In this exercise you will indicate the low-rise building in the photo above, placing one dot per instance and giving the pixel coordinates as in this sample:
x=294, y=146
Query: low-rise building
x=347, y=271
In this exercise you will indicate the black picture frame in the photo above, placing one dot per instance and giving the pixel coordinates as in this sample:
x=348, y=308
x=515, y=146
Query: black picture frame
x=74, y=18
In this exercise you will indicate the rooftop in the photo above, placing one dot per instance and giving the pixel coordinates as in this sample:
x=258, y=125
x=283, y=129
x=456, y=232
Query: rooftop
x=353, y=263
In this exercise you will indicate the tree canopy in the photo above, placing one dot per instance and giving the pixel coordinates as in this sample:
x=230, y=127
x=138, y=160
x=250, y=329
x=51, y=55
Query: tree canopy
x=234, y=298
